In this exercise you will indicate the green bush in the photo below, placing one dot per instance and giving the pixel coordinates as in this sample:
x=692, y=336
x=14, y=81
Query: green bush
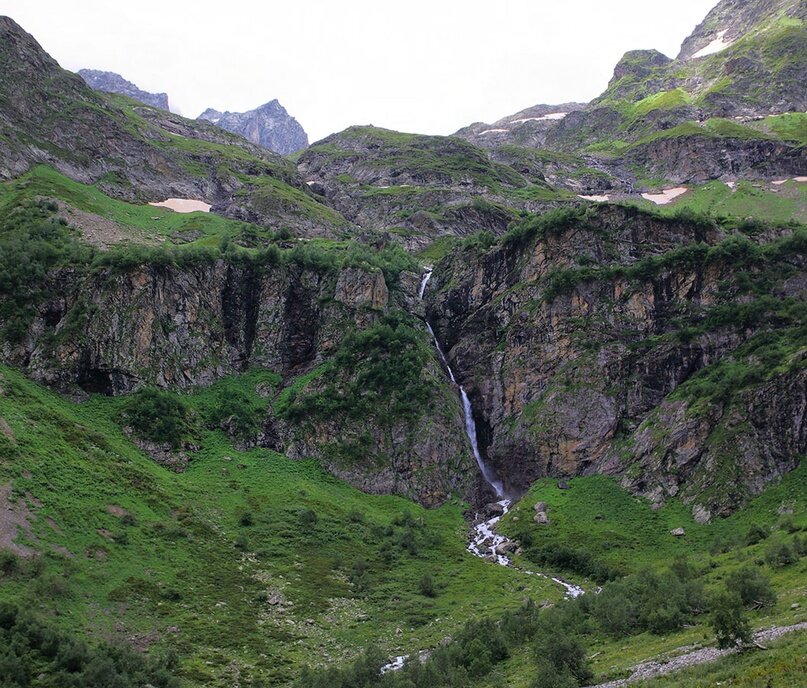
x=32, y=652
x=427, y=587
x=779, y=554
x=753, y=587
x=729, y=621
x=157, y=416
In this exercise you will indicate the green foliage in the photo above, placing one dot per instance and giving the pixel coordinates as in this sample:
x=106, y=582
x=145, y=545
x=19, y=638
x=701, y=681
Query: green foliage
x=780, y=553
x=554, y=222
x=729, y=620
x=32, y=245
x=157, y=416
x=377, y=372
x=753, y=587
x=33, y=652
x=427, y=586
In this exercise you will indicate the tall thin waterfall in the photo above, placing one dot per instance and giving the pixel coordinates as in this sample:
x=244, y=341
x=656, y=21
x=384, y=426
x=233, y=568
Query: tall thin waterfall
x=470, y=423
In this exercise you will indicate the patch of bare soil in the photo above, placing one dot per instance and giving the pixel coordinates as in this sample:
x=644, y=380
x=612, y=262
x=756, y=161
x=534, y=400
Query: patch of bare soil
x=101, y=231
x=14, y=517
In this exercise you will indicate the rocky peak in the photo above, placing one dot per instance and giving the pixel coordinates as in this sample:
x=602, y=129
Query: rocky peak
x=269, y=125
x=110, y=82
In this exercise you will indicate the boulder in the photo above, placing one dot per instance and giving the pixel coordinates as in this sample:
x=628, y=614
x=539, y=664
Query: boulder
x=678, y=532
x=541, y=518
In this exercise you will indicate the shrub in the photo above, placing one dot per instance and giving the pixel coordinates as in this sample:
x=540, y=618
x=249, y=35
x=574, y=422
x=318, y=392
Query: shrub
x=566, y=655
x=308, y=518
x=756, y=534
x=9, y=563
x=779, y=554
x=729, y=621
x=427, y=587
x=753, y=587
x=156, y=415
x=246, y=519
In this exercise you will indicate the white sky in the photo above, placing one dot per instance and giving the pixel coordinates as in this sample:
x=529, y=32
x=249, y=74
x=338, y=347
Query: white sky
x=427, y=66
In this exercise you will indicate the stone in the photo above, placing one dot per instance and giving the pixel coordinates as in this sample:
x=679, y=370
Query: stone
x=563, y=485
x=678, y=532
x=541, y=518
x=701, y=514
x=540, y=506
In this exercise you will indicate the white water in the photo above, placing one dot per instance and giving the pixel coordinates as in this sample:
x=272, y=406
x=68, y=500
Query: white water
x=485, y=541
x=470, y=423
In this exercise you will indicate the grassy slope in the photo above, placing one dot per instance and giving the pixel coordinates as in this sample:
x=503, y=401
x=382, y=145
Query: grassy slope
x=623, y=531
x=776, y=203
x=176, y=563
x=138, y=222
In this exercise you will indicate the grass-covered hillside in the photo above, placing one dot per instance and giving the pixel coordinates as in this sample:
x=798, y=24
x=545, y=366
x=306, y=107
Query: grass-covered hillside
x=246, y=564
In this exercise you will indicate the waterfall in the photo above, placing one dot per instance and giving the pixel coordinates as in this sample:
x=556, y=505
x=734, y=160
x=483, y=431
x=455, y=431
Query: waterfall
x=485, y=542
x=470, y=423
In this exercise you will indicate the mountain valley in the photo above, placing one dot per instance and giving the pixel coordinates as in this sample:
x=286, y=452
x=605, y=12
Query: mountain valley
x=522, y=406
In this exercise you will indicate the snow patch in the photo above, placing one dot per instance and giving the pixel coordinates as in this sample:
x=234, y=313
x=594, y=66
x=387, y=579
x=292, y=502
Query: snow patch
x=666, y=196
x=183, y=205
x=715, y=46
x=493, y=131
x=542, y=118
x=596, y=199
x=801, y=180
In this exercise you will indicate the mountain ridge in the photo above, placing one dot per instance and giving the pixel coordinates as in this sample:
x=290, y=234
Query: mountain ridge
x=110, y=82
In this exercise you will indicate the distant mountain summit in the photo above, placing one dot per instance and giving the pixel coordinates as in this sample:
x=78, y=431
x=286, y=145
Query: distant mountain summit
x=110, y=82
x=269, y=126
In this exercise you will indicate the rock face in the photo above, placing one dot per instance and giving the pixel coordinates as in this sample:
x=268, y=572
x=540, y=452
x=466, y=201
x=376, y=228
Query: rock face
x=526, y=128
x=422, y=187
x=582, y=370
x=109, y=82
x=186, y=327
x=269, y=126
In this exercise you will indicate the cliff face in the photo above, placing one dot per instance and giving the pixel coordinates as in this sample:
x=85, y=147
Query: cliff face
x=603, y=346
x=115, y=330
x=109, y=82
x=269, y=126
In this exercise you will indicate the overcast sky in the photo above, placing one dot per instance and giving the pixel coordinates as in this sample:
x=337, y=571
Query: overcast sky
x=427, y=66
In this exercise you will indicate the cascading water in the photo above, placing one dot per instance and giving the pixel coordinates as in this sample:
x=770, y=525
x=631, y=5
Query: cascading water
x=485, y=542
x=470, y=423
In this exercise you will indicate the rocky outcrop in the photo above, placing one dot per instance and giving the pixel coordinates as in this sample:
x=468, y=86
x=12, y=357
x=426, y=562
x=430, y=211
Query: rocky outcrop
x=185, y=327
x=269, y=126
x=109, y=82
x=421, y=187
x=528, y=128
x=697, y=159
x=732, y=19
x=586, y=378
